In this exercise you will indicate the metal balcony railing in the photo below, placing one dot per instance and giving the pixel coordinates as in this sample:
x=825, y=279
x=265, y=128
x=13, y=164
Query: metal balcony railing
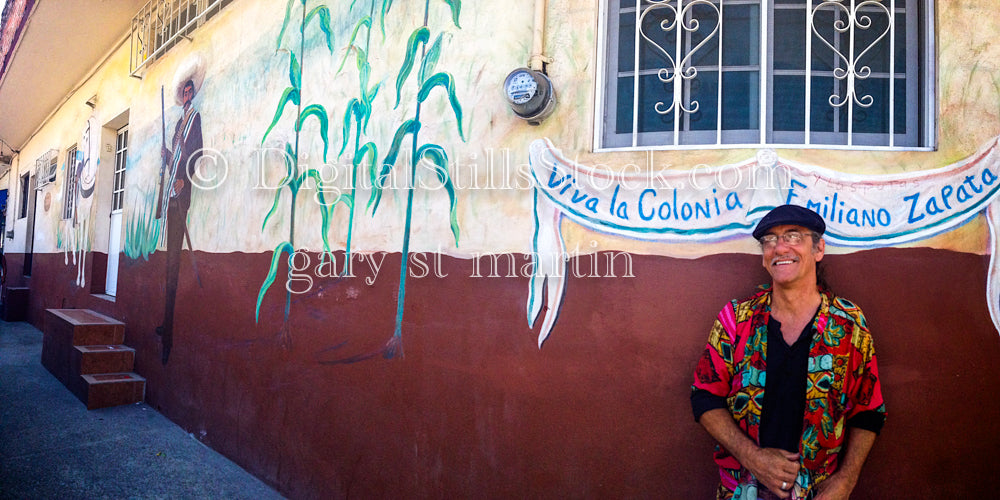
x=160, y=24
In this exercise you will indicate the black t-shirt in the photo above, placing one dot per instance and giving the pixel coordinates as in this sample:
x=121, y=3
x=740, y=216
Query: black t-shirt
x=782, y=417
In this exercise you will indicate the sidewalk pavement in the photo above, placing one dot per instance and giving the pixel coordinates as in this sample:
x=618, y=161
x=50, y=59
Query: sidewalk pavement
x=51, y=446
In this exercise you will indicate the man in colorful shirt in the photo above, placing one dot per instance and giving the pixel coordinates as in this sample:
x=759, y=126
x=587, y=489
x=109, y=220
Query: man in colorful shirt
x=809, y=433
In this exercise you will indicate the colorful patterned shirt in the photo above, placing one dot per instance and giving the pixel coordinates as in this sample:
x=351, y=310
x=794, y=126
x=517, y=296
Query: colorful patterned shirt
x=842, y=382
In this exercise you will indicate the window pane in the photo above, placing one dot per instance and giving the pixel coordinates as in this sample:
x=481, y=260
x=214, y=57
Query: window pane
x=869, y=49
x=874, y=118
x=741, y=35
x=660, y=43
x=740, y=100
x=652, y=94
x=789, y=39
x=900, y=43
x=789, y=112
x=707, y=18
x=823, y=58
x=623, y=117
x=900, y=105
x=705, y=91
x=626, y=42
x=822, y=114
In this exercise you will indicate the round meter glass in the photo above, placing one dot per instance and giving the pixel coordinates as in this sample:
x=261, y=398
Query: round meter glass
x=521, y=87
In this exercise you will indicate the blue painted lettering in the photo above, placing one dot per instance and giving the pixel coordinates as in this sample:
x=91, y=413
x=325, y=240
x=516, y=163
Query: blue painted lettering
x=660, y=212
x=642, y=197
x=792, y=193
x=699, y=209
x=932, y=206
x=552, y=179
x=913, y=198
x=733, y=201
x=971, y=182
x=888, y=217
x=622, y=211
x=852, y=217
x=963, y=195
x=945, y=193
x=988, y=177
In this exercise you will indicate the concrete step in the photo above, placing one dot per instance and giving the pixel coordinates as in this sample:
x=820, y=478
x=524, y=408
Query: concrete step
x=93, y=359
x=66, y=328
x=103, y=390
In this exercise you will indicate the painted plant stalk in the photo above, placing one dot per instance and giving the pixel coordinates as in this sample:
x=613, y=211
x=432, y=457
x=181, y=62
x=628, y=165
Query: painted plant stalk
x=358, y=113
x=296, y=177
x=435, y=156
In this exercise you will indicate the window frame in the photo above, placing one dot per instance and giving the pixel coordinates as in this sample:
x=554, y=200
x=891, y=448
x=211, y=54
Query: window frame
x=121, y=161
x=25, y=194
x=926, y=98
x=70, y=184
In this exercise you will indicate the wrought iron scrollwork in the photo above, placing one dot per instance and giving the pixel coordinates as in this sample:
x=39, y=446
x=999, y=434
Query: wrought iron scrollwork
x=855, y=20
x=679, y=66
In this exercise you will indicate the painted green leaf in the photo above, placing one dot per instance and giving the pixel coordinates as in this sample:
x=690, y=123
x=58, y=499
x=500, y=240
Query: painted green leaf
x=349, y=113
x=364, y=72
x=368, y=152
x=364, y=21
x=284, y=180
x=284, y=25
x=347, y=199
x=420, y=36
x=290, y=95
x=386, y=5
x=367, y=99
x=282, y=248
x=295, y=72
x=438, y=158
x=319, y=112
x=430, y=60
x=324, y=23
x=408, y=127
x=456, y=9
x=446, y=81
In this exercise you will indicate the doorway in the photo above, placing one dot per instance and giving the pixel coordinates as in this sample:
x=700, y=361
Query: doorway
x=117, y=196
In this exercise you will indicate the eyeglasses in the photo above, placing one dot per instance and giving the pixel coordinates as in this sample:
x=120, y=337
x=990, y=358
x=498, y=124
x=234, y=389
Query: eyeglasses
x=790, y=238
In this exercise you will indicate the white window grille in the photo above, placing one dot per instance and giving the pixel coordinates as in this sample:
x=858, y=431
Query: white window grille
x=788, y=73
x=45, y=168
x=162, y=23
x=70, y=184
x=121, y=157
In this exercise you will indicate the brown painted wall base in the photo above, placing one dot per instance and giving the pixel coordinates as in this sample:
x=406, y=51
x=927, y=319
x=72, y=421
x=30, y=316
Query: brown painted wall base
x=475, y=409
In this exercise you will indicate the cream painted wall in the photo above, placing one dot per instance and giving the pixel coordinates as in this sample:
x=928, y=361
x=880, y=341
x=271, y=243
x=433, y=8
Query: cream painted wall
x=245, y=76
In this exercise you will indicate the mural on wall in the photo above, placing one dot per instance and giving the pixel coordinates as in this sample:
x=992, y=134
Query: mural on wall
x=179, y=154
x=717, y=203
x=407, y=149
x=435, y=155
x=84, y=170
x=295, y=177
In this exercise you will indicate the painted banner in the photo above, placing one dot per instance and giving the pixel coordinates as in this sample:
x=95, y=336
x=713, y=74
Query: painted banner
x=717, y=203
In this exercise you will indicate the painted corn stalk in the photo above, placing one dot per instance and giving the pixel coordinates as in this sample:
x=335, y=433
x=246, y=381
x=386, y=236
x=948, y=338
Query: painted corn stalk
x=296, y=177
x=359, y=112
x=428, y=84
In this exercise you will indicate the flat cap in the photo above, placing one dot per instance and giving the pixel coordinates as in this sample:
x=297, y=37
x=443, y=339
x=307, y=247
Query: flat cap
x=791, y=215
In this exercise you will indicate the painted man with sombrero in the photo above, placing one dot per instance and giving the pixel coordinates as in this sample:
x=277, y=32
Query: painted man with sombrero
x=180, y=156
x=807, y=435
